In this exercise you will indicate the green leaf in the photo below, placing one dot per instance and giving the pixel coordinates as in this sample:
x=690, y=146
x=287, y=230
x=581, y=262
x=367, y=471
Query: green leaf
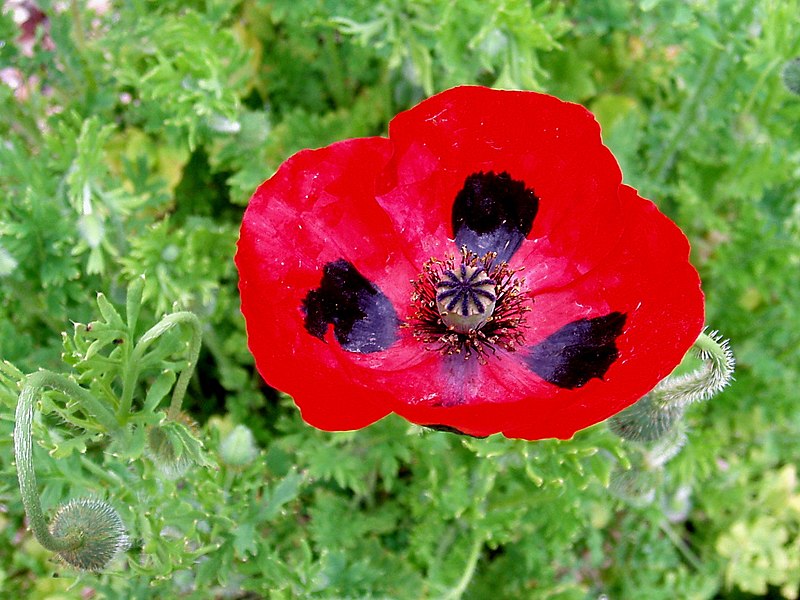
x=133, y=304
x=110, y=315
x=285, y=491
x=244, y=540
x=158, y=390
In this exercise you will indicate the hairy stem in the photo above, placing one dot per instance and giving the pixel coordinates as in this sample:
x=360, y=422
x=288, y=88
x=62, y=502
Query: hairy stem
x=703, y=383
x=132, y=369
x=469, y=568
x=186, y=373
x=23, y=450
x=663, y=160
x=714, y=58
x=47, y=379
x=681, y=545
x=481, y=489
x=79, y=37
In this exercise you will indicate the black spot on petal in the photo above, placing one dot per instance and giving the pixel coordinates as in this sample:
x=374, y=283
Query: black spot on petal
x=578, y=352
x=363, y=318
x=493, y=213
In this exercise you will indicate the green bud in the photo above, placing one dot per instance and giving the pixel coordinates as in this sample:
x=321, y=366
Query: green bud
x=166, y=452
x=667, y=447
x=238, y=449
x=791, y=75
x=645, y=421
x=636, y=486
x=96, y=529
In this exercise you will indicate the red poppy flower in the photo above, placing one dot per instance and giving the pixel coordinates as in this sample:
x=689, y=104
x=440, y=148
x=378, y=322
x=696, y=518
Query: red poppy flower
x=483, y=269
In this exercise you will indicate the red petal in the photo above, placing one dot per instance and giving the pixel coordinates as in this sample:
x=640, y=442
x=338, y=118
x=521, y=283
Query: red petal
x=647, y=276
x=551, y=145
x=318, y=207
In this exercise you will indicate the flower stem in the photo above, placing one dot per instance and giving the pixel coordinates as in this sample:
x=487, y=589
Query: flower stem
x=663, y=160
x=716, y=372
x=681, y=545
x=23, y=451
x=131, y=373
x=469, y=569
x=186, y=373
x=47, y=379
x=86, y=534
x=714, y=58
x=79, y=37
x=481, y=490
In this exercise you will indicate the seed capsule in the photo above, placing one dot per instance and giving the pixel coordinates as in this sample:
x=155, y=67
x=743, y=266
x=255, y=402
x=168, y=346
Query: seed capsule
x=465, y=298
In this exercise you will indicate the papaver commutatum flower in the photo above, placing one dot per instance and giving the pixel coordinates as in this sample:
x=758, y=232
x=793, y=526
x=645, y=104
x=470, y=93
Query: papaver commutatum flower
x=483, y=269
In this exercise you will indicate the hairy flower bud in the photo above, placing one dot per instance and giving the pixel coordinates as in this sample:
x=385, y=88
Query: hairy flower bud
x=96, y=529
x=645, y=421
x=791, y=75
x=166, y=453
x=654, y=416
x=636, y=486
x=660, y=452
x=238, y=448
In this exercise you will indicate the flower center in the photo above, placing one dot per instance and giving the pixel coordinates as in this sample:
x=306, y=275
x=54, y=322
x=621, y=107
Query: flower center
x=470, y=307
x=465, y=298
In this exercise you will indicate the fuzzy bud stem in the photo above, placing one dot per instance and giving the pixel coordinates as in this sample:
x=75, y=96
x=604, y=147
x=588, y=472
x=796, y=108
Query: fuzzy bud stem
x=80, y=539
x=655, y=414
x=707, y=381
x=23, y=451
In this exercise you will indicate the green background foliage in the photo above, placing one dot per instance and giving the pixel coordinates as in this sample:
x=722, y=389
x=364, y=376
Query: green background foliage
x=133, y=133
